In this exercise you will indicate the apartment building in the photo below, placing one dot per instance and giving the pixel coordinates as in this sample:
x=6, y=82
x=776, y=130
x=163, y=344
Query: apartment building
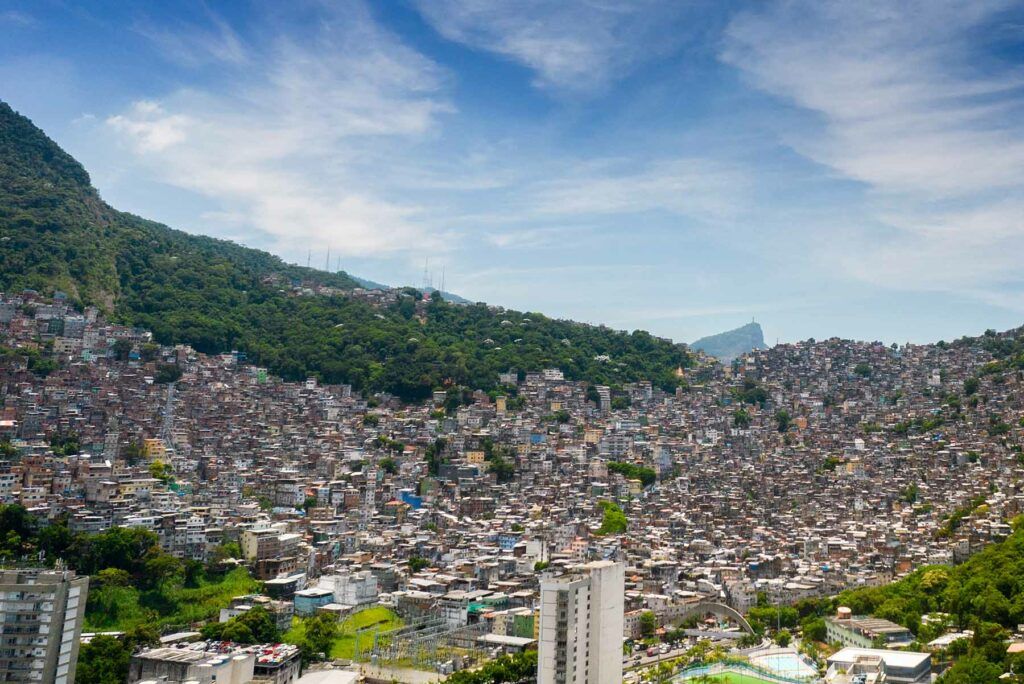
x=581, y=623
x=41, y=613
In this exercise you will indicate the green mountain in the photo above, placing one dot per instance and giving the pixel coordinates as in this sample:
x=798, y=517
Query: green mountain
x=728, y=345
x=985, y=594
x=57, y=234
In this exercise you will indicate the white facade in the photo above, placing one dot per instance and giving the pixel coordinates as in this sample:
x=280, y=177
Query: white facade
x=581, y=623
x=41, y=614
x=351, y=589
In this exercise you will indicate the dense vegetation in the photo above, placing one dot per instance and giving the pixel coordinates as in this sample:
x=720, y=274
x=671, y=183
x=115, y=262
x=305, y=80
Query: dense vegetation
x=984, y=594
x=105, y=659
x=515, y=668
x=631, y=471
x=613, y=520
x=56, y=234
x=133, y=583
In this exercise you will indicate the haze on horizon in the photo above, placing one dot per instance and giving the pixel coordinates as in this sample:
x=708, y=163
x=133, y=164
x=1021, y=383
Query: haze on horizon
x=830, y=168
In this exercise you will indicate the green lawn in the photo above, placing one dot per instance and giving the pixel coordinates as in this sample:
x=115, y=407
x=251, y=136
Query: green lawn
x=737, y=678
x=121, y=608
x=345, y=645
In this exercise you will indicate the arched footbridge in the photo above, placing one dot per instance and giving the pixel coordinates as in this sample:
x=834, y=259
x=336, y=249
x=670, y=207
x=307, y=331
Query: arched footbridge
x=676, y=614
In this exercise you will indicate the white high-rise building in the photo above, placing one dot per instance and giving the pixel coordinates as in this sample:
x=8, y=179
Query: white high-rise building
x=581, y=616
x=41, y=614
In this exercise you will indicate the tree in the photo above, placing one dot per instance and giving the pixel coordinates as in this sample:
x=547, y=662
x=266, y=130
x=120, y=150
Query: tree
x=783, y=637
x=521, y=667
x=814, y=629
x=161, y=471
x=310, y=502
x=193, y=573
x=160, y=567
x=167, y=373
x=261, y=623
x=320, y=632
x=631, y=471
x=132, y=453
x=222, y=553
x=417, y=563
x=648, y=623
x=613, y=520
x=783, y=419
x=112, y=577
x=388, y=465
x=238, y=632
x=503, y=470
x=971, y=670
x=740, y=418
x=104, y=660
x=122, y=348
x=149, y=351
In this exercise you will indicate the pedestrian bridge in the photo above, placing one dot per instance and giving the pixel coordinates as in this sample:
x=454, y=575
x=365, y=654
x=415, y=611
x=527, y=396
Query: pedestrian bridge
x=674, y=615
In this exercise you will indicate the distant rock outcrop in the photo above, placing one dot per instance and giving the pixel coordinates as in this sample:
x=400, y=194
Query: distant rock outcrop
x=728, y=345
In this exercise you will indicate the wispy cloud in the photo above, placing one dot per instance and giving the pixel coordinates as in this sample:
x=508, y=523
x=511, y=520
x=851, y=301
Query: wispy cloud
x=571, y=45
x=704, y=189
x=908, y=105
x=196, y=44
x=280, y=151
x=17, y=18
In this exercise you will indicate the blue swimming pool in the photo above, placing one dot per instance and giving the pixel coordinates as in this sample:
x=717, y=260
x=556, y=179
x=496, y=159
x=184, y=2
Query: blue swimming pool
x=787, y=663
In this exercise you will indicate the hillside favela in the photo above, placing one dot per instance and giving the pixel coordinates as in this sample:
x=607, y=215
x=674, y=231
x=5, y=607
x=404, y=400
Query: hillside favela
x=230, y=454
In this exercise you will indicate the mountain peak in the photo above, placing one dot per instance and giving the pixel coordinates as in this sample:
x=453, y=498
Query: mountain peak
x=726, y=346
x=25, y=147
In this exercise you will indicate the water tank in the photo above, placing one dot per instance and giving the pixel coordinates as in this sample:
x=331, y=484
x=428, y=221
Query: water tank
x=844, y=613
x=242, y=668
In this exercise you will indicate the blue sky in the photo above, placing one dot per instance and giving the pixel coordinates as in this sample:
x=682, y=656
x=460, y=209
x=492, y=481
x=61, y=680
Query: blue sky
x=826, y=167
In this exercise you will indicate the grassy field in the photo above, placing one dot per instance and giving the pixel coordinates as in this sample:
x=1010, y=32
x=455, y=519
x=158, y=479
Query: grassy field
x=345, y=645
x=121, y=608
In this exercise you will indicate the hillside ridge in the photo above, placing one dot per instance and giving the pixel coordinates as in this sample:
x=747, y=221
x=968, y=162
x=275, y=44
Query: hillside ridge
x=58, y=235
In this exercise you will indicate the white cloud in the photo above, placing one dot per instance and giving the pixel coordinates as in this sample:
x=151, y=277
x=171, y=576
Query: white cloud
x=280, y=150
x=150, y=128
x=194, y=45
x=704, y=189
x=572, y=45
x=905, y=108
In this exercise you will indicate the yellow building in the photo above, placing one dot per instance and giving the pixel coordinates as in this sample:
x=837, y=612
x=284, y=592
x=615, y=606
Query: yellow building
x=153, y=449
x=475, y=457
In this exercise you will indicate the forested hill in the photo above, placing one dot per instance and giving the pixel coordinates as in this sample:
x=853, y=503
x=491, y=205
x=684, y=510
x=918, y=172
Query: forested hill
x=56, y=234
x=985, y=595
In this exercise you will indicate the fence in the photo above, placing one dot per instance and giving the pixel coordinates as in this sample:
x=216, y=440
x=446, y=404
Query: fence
x=739, y=667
